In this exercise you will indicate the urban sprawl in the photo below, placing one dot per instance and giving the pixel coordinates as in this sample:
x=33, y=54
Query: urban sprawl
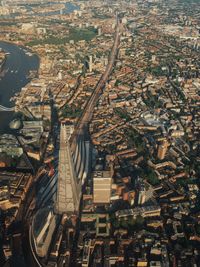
x=101, y=164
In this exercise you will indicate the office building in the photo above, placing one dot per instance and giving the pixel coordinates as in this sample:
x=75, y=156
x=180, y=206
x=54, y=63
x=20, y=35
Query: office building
x=101, y=187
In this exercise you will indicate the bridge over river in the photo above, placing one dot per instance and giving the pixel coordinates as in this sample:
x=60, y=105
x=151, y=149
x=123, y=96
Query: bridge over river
x=18, y=65
x=2, y=108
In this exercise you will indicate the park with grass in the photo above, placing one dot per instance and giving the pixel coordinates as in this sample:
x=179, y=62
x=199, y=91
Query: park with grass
x=75, y=34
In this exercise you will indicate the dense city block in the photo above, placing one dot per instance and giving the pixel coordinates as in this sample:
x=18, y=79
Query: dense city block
x=100, y=133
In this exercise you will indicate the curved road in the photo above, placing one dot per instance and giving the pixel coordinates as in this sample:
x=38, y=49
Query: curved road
x=88, y=112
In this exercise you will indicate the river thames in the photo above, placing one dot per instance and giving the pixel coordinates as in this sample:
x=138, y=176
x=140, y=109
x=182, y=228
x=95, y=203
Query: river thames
x=16, y=68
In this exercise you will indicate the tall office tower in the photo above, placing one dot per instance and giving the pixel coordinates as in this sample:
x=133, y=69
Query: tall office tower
x=73, y=170
x=142, y=195
x=69, y=187
x=99, y=31
x=102, y=182
x=162, y=149
x=90, y=63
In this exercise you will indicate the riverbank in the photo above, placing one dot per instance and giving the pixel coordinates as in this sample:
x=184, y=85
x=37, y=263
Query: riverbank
x=17, y=67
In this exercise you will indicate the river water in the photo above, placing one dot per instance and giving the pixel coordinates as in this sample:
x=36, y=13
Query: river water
x=69, y=8
x=17, y=67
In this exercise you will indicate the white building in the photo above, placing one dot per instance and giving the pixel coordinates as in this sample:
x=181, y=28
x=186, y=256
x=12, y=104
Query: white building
x=102, y=182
